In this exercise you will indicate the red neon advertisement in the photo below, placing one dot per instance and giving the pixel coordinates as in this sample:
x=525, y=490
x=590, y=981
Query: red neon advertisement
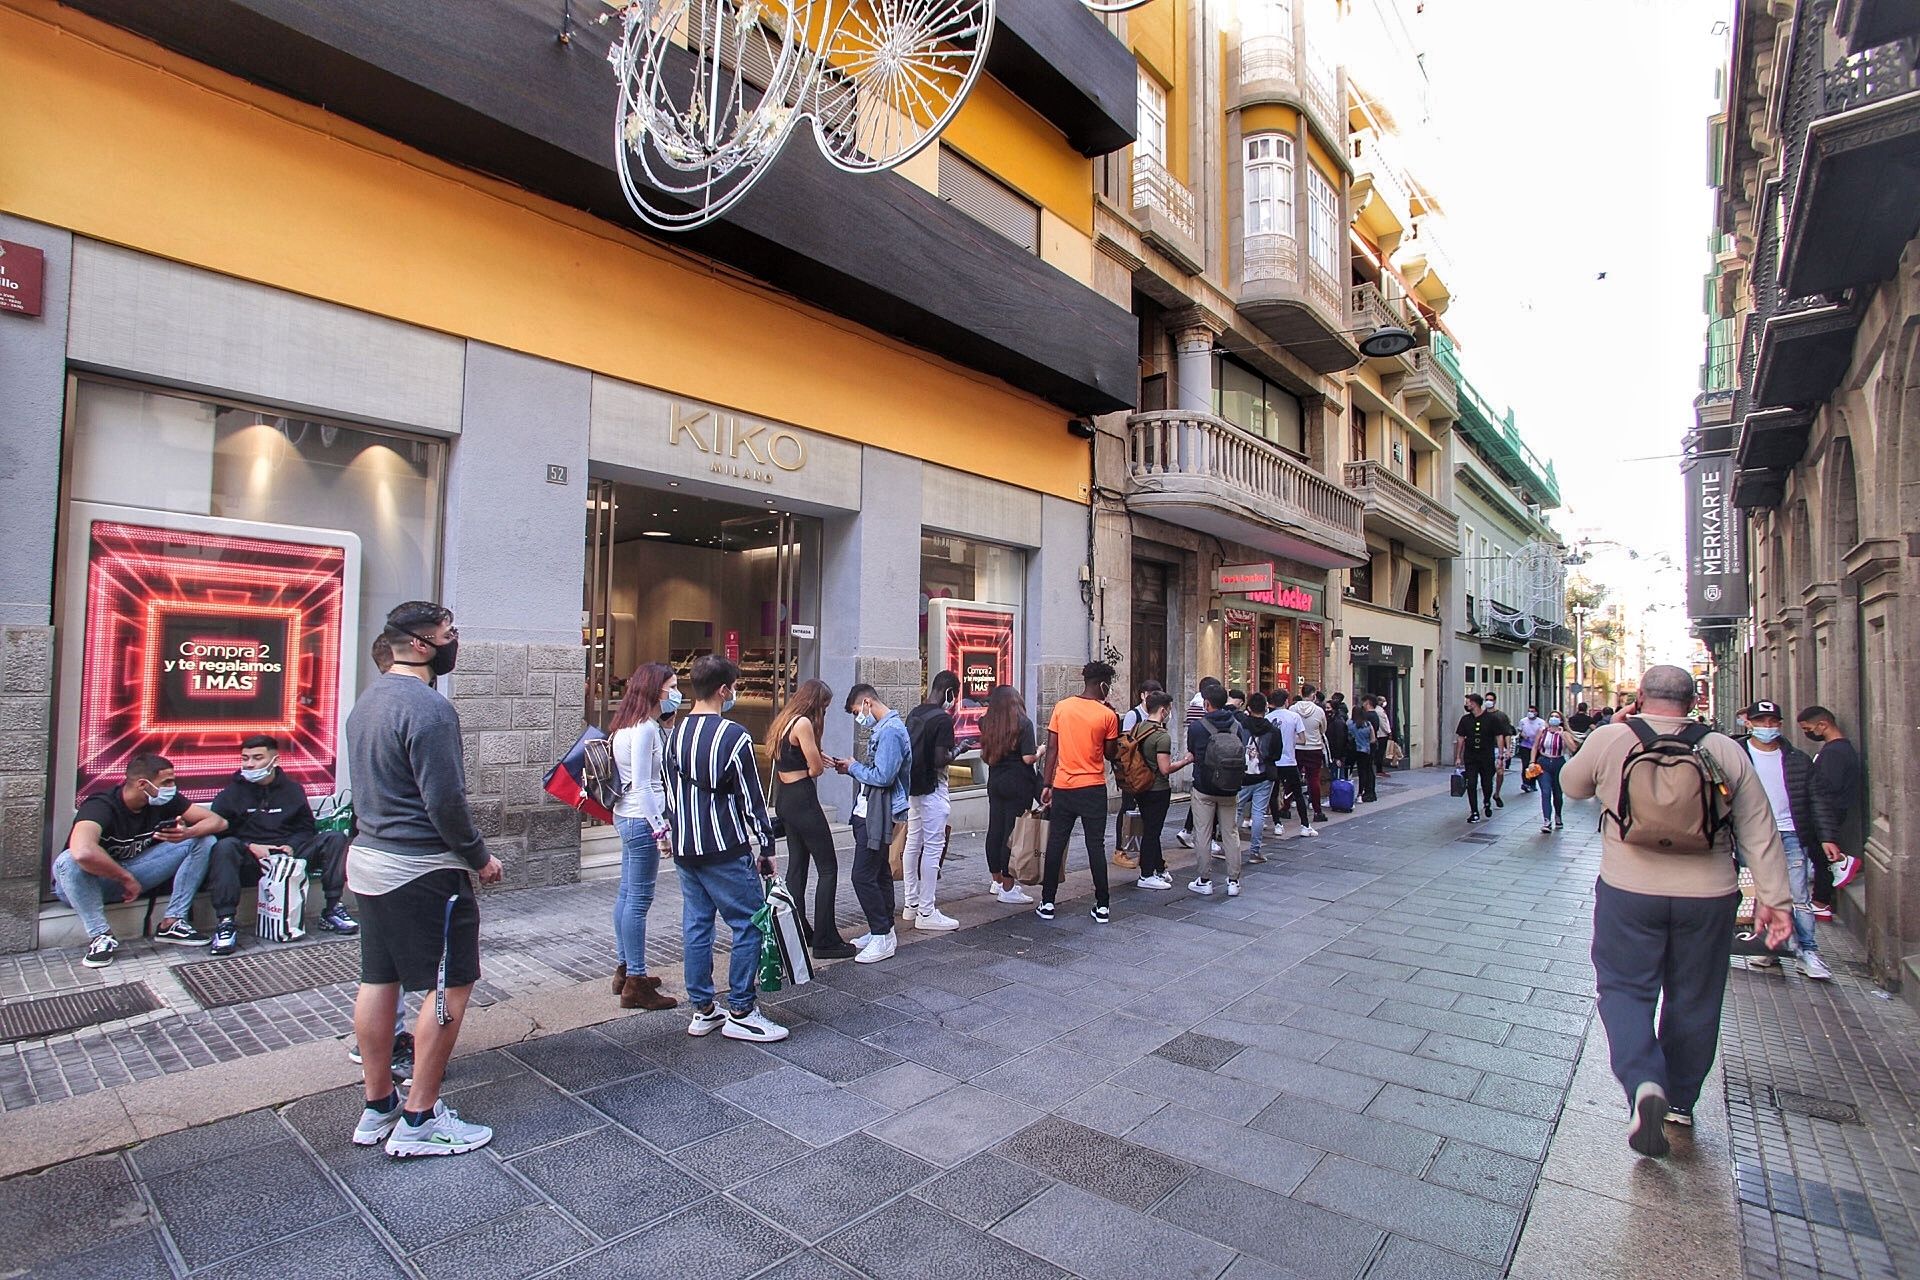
x=196, y=640
x=977, y=644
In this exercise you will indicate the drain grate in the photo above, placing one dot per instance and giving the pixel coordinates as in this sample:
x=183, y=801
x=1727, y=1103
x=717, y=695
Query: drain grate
x=1806, y=1104
x=255, y=975
x=51, y=1015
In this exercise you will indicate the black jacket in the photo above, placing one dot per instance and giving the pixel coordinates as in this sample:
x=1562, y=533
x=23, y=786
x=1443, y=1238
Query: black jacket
x=1265, y=735
x=270, y=812
x=1800, y=794
x=1836, y=797
x=1198, y=734
x=930, y=732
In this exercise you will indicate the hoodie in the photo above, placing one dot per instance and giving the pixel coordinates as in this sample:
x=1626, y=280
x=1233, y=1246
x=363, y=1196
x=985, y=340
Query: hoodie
x=271, y=812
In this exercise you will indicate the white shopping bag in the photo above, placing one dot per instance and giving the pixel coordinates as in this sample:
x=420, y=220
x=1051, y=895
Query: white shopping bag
x=283, y=898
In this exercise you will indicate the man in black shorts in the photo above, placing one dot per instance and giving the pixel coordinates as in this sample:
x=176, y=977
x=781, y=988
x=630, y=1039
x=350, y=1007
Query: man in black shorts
x=411, y=869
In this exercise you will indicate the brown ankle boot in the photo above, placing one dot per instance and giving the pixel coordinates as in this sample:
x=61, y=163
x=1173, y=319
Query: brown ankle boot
x=644, y=993
x=619, y=978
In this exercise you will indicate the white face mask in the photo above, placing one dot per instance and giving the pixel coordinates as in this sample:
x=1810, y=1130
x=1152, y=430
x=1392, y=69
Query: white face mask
x=164, y=795
x=260, y=774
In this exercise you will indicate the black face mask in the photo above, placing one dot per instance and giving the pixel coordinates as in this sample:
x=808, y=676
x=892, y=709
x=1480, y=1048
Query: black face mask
x=1814, y=735
x=445, y=656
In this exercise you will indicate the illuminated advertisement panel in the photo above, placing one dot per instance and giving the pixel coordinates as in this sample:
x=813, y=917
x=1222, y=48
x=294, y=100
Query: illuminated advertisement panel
x=193, y=638
x=977, y=642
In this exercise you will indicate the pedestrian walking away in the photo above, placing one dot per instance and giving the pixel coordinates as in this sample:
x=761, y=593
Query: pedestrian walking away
x=1082, y=736
x=1009, y=744
x=1130, y=722
x=131, y=838
x=880, y=805
x=1786, y=776
x=1552, y=746
x=640, y=819
x=718, y=817
x=1675, y=796
x=1476, y=746
x=1311, y=749
x=1838, y=809
x=930, y=730
x=411, y=869
x=267, y=812
x=1218, y=745
x=1155, y=743
x=1252, y=805
x=794, y=742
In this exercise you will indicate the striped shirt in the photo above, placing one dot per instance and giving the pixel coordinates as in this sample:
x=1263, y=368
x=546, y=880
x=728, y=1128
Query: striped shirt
x=714, y=801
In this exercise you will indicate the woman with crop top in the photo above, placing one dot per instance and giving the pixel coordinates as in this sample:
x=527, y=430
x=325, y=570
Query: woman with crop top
x=797, y=761
x=640, y=816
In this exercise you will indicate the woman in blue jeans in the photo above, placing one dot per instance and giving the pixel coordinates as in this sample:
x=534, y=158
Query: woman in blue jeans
x=640, y=818
x=1550, y=750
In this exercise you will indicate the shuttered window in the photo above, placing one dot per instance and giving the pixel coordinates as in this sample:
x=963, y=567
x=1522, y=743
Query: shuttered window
x=987, y=200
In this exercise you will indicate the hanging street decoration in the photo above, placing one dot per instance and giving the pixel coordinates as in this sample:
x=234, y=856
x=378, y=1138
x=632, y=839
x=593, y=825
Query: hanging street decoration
x=711, y=89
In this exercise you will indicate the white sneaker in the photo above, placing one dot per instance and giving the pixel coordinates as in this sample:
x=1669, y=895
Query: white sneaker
x=1233, y=888
x=1814, y=967
x=877, y=947
x=1015, y=895
x=1202, y=887
x=444, y=1134
x=1184, y=839
x=860, y=941
x=753, y=1025
x=935, y=918
x=1213, y=848
x=376, y=1125
x=1845, y=870
x=1159, y=880
x=705, y=1024
x=1546, y=828
x=1309, y=831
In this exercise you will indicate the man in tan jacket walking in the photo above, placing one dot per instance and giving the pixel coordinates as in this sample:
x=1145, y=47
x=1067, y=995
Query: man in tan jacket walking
x=1663, y=920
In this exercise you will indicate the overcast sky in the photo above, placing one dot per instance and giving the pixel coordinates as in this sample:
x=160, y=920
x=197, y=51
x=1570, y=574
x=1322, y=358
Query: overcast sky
x=1571, y=141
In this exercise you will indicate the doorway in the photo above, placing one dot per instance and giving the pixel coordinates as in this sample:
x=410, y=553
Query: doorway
x=1149, y=639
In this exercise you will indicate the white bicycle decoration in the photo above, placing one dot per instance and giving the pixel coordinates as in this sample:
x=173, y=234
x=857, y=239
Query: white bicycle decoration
x=711, y=89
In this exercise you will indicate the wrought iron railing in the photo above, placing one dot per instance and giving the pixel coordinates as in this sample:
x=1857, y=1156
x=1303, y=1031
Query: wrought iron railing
x=1872, y=75
x=1221, y=460
x=1157, y=190
x=1718, y=370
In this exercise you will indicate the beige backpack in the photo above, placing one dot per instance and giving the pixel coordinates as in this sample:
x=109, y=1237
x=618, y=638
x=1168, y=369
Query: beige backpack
x=1674, y=796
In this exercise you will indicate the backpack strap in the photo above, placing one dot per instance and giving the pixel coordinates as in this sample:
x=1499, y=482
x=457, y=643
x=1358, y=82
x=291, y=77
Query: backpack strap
x=1693, y=733
x=1643, y=731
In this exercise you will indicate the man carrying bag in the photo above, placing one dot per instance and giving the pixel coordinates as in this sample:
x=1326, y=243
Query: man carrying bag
x=882, y=779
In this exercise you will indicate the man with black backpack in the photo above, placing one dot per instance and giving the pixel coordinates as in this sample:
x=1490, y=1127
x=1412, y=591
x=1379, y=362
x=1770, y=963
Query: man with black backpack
x=1677, y=796
x=1218, y=745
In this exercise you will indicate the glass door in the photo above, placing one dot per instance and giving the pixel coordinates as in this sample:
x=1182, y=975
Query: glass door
x=596, y=614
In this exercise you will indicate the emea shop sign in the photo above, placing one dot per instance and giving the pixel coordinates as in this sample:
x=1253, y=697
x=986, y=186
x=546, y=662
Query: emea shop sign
x=1716, y=541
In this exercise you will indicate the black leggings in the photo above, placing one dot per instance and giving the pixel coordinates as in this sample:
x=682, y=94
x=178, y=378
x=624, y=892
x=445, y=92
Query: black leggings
x=1153, y=816
x=809, y=839
x=1479, y=771
x=1001, y=812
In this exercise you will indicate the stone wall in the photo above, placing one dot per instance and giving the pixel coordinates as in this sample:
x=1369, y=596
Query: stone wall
x=521, y=708
x=26, y=708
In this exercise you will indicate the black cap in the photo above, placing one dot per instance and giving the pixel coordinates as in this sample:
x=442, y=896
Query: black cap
x=1763, y=708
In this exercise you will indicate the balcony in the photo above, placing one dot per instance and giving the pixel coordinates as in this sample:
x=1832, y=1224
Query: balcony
x=1773, y=440
x=1401, y=510
x=1755, y=489
x=1425, y=264
x=1268, y=60
x=1368, y=307
x=1865, y=23
x=1381, y=197
x=1805, y=349
x=1295, y=302
x=1430, y=390
x=1274, y=67
x=1166, y=213
x=1201, y=472
x=1856, y=197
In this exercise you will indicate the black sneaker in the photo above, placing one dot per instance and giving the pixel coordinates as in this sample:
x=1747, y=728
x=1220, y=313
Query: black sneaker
x=180, y=934
x=1044, y=911
x=1472, y=818
x=403, y=1053
x=1679, y=1116
x=336, y=920
x=100, y=952
x=1646, y=1133
x=1498, y=803
x=226, y=938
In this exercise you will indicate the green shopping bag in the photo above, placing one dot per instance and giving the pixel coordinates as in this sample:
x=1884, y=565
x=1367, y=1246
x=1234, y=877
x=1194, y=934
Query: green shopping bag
x=335, y=813
x=772, y=964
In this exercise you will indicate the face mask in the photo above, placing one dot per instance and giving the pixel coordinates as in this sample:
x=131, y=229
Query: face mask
x=164, y=795
x=1813, y=736
x=669, y=702
x=444, y=655
x=1554, y=721
x=261, y=774
x=1765, y=734
x=728, y=704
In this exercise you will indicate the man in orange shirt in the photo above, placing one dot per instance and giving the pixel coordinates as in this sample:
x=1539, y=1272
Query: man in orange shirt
x=1081, y=737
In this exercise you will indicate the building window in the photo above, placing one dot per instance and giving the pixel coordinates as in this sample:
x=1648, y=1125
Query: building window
x=1269, y=184
x=1470, y=671
x=1258, y=407
x=1323, y=223
x=1360, y=582
x=1150, y=120
x=1359, y=430
x=988, y=200
x=972, y=597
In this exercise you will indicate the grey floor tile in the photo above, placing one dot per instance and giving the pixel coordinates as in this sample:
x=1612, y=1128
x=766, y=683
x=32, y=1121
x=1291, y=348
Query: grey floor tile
x=1302, y=1238
x=465, y=1191
x=910, y=1240
x=1204, y=1091
x=745, y=1151
x=524, y=1112
x=1317, y=1081
x=1365, y=1030
x=580, y=1059
x=1381, y=1142
x=1100, y=1240
x=610, y=1182
x=138, y=1256
x=185, y=1148
x=949, y=1052
x=1110, y=1108
x=1516, y=1135
x=1120, y=1037
x=983, y=1189
x=1202, y=1052
x=344, y=1248
x=713, y=1240
x=811, y=1109
x=711, y=1060
x=954, y=1125
x=665, y=1110
x=810, y=1264
x=1542, y=1102
x=214, y=1211
x=1488, y=1174
x=1252, y=1155
x=902, y=1086
x=1538, y=1068
x=509, y=1248
x=326, y=1121
x=1122, y=1171
x=1407, y=1069
x=69, y=1208
x=826, y=1189
x=830, y=1055
x=1045, y=1077
x=846, y=1014
x=1405, y=1259
x=1438, y=1215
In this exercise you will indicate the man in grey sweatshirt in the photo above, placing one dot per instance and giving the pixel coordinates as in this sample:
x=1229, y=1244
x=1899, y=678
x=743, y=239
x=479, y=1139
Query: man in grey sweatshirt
x=410, y=869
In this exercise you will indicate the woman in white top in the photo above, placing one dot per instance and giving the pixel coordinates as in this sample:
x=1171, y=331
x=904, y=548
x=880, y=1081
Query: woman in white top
x=640, y=818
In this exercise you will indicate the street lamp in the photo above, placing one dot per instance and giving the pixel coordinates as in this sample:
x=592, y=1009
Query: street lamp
x=1579, y=648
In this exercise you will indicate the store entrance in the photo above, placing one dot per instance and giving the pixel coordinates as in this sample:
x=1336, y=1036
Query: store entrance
x=672, y=577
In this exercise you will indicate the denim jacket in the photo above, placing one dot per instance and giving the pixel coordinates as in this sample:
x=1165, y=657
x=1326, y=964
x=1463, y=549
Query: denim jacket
x=889, y=758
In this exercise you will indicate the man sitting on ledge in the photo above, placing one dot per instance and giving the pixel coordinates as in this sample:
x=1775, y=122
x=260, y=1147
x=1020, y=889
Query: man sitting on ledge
x=130, y=839
x=267, y=813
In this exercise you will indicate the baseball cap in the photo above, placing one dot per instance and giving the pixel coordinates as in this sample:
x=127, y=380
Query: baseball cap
x=1763, y=708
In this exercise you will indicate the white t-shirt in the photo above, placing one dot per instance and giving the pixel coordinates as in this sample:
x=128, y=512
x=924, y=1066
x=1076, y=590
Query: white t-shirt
x=636, y=749
x=1772, y=768
x=1288, y=723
